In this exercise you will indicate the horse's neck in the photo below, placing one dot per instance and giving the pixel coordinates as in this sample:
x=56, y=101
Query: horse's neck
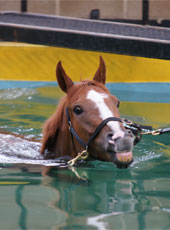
x=65, y=145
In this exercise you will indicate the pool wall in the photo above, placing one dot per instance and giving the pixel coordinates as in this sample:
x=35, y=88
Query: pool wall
x=25, y=62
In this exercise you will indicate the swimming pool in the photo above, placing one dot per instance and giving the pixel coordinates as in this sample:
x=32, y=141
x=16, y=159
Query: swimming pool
x=95, y=195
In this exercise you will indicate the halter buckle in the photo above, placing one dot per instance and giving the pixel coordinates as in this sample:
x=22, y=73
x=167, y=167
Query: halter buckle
x=126, y=121
x=69, y=125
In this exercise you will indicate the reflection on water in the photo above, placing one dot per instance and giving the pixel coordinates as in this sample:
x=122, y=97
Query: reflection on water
x=93, y=195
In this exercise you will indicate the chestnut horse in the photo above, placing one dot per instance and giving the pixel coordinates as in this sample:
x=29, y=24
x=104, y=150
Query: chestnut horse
x=88, y=106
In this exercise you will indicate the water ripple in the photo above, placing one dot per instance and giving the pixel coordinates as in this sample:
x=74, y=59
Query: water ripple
x=11, y=94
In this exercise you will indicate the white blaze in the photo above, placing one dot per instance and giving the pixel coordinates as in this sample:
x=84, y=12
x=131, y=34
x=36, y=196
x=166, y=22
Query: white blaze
x=104, y=111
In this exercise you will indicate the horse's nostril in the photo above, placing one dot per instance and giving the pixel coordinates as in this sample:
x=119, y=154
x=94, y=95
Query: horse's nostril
x=110, y=135
x=128, y=132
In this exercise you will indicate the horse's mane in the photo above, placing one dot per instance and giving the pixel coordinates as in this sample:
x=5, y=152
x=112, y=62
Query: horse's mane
x=51, y=126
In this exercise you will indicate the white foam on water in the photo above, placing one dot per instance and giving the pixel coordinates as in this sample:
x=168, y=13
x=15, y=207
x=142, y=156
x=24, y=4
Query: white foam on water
x=146, y=157
x=11, y=94
x=16, y=150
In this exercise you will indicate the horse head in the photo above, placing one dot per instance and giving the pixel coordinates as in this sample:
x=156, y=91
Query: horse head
x=87, y=117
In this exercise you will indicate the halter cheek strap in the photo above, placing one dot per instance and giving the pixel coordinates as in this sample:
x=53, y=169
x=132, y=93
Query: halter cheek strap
x=73, y=132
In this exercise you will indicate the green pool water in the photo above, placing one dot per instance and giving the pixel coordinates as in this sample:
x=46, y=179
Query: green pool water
x=95, y=195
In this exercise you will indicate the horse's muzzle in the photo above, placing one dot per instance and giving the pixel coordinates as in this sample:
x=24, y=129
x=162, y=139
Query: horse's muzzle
x=121, y=149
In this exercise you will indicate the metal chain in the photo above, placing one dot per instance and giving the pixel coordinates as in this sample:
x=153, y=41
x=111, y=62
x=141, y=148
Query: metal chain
x=153, y=132
x=81, y=156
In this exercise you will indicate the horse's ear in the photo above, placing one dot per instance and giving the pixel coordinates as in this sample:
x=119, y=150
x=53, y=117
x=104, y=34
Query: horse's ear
x=64, y=81
x=100, y=74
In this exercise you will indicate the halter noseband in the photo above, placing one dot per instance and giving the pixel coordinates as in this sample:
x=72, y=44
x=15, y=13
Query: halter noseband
x=135, y=128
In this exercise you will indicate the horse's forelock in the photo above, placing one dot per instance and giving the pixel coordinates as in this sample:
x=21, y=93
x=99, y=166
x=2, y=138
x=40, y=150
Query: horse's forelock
x=85, y=84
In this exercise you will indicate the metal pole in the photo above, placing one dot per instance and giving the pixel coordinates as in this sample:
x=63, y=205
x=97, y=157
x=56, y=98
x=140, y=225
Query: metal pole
x=145, y=12
x=23, y=6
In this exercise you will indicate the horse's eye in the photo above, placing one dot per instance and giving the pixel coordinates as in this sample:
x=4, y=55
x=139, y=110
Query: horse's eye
x=118, y=104
x=77, y=110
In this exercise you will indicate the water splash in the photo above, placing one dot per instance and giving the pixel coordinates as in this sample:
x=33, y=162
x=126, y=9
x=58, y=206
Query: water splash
x=16, y=150
x=11, y=94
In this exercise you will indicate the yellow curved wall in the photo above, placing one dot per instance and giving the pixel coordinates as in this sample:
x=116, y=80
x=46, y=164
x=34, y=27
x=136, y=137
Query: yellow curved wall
x=37, y=63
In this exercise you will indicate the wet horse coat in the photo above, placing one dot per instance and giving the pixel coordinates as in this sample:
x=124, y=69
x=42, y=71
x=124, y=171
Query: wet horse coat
x=88, y=104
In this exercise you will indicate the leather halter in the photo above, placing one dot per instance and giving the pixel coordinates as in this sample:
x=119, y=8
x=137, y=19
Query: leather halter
x=135, y=128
